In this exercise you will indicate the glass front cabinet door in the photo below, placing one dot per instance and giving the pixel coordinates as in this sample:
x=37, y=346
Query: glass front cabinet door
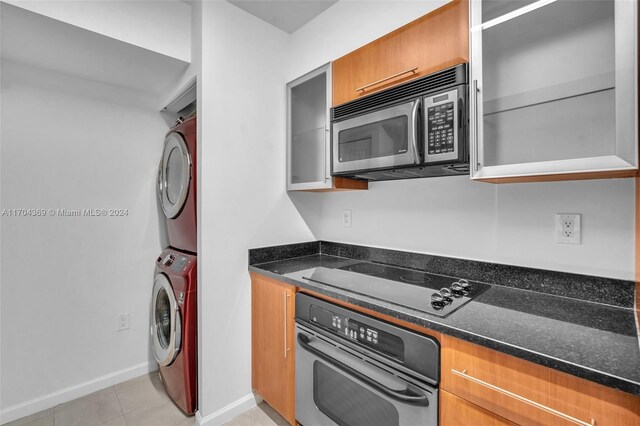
x=553, y=89
x=308, y=146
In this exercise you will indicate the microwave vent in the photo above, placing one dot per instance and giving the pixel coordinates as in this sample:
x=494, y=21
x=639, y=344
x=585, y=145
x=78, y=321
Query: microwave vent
x=416, y=172
x=433, y=82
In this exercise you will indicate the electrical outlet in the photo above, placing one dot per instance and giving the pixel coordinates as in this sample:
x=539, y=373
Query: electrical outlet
x=568, y=228
x=123, y=322
x=346, y=218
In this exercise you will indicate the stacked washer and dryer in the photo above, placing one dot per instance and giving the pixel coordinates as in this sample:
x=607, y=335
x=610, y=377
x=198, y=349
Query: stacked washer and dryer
x=174, y=301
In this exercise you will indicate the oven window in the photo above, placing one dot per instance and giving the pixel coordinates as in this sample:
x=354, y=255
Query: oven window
x=349, y=403
x=372, y=140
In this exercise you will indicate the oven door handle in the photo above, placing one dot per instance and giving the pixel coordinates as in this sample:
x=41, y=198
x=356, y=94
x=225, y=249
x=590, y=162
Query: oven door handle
x=406, y=396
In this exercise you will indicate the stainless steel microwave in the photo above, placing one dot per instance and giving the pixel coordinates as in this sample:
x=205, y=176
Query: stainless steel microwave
x=416, y=129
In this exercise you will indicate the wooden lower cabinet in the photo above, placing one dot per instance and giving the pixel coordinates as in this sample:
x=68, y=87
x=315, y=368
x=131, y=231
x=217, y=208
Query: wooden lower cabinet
x=456, y=411
x=528, y=393
x=272, y=344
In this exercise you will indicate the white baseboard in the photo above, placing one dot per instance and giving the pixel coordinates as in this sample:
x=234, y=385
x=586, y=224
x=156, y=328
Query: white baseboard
x=70, y=393
x=227, y=413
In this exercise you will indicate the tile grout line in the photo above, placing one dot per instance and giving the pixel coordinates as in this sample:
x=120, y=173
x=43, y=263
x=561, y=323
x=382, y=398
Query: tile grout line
x=119, y=405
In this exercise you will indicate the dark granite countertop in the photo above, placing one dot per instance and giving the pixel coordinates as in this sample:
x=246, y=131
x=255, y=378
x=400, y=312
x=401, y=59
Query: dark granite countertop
x=591, y=340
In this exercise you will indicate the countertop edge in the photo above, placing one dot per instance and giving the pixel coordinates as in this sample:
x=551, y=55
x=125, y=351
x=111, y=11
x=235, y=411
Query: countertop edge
x=599, y=377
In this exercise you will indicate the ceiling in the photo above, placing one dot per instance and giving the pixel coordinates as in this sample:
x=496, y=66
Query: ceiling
x=288, y=15
x=39, y=41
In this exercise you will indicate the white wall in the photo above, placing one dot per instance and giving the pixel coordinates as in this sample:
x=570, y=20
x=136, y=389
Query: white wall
x=346, y=26
x=68, y=144
x=73, y=142
x=243, y=203
x=510, y=224
x=453, y=216
x=162, y=26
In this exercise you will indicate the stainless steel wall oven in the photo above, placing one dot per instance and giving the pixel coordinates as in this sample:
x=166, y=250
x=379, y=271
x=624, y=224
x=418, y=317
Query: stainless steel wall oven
x=352, y=369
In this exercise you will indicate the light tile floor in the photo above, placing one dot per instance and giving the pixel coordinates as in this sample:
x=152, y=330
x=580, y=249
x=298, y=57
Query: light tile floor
x=262, y=415
x=138, y=402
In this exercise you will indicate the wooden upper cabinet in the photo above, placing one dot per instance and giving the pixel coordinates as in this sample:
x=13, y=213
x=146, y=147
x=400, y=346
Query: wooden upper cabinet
x=308, y=138
x=553, y=90
x=431, y=43
x=272, y=344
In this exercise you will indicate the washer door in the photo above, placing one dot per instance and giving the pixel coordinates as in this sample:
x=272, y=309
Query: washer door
x=174, y=175
x=167, y=325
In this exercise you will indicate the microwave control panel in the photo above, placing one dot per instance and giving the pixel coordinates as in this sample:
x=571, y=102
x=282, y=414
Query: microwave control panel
x=441, y=126
x=440, y=122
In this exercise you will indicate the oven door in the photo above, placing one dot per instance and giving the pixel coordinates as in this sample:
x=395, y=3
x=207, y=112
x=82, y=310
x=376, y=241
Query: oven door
x=381, y=139
x=338, y=386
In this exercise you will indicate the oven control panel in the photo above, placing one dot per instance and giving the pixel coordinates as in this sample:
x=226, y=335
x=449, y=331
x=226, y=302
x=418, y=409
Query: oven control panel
x=355, y=331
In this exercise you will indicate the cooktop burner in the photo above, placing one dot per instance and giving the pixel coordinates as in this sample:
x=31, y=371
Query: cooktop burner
x=434, y=294
x=367, y=269
x=415, y=277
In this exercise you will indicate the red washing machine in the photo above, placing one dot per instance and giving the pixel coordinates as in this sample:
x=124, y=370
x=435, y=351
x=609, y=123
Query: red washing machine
x=175, y=325
x=177, y=185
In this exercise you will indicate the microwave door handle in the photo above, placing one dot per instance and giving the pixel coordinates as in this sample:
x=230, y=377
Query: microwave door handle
x=414, y=133
x=406, y=396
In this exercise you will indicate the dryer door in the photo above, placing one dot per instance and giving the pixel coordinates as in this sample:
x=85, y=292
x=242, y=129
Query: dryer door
x=167, y=324
x=174, y=175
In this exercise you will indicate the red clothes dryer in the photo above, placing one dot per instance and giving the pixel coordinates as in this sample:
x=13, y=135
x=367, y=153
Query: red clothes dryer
x=175, y=324
x=177, y=185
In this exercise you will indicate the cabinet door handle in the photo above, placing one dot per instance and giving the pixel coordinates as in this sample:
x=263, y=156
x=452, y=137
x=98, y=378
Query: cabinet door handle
x=476, y=141
x=326, y=177
x=366, y=86
x=285, y=297
x=564, y=416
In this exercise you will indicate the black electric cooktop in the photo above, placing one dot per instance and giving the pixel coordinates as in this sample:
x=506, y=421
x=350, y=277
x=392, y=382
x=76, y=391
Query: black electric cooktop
x=434, y=294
